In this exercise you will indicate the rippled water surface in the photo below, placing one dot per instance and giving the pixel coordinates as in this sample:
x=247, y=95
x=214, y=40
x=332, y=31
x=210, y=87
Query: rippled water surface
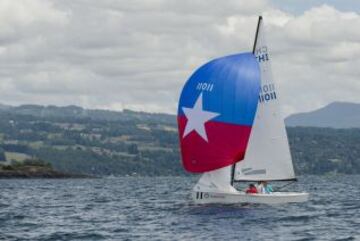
x=148, y=208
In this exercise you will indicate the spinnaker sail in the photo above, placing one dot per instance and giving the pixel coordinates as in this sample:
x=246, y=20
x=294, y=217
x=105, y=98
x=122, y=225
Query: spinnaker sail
x=216, y=112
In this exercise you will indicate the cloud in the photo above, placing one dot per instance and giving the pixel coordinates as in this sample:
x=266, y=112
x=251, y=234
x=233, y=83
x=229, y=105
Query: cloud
x=138, y=54
x=316, y=61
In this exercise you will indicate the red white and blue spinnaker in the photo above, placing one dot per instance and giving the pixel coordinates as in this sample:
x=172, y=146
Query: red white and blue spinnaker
x=216, y=112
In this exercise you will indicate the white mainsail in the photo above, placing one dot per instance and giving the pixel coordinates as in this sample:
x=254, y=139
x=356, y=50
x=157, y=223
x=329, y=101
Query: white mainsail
x=267, y=156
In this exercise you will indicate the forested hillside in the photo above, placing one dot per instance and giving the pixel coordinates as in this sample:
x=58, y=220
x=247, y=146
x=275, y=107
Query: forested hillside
x=102, y=142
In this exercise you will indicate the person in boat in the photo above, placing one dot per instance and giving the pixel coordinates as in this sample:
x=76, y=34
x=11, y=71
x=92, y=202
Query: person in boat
x=267, y=188
x=251, y=189
x=260, y=187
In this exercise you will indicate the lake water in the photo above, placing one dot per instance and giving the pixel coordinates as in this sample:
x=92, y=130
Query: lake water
x=149, y=208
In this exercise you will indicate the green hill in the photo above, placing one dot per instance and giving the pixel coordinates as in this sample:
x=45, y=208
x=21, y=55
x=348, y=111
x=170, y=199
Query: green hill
x=103, y=142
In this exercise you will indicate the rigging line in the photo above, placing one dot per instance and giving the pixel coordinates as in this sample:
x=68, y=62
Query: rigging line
x=282, y=187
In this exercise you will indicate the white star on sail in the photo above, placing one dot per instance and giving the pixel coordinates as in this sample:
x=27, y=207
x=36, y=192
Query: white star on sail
x=197, y=117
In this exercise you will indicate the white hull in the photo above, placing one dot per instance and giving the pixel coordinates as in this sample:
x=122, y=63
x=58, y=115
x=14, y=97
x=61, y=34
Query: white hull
x=241, y=197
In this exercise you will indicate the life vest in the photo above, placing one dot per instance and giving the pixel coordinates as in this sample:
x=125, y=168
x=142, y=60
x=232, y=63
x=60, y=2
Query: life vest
x=252, y=190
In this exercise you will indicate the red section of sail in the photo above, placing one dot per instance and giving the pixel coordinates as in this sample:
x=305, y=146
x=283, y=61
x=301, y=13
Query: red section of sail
x=226, y=145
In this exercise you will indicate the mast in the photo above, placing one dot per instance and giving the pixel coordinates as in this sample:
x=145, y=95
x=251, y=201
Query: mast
x=256, y=34
x=254, y=47
x=233, y=174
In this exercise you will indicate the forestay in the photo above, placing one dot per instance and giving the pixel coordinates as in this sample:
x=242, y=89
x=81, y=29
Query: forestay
x=267, y=156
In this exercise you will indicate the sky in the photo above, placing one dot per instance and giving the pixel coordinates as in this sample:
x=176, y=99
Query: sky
x=120, y=54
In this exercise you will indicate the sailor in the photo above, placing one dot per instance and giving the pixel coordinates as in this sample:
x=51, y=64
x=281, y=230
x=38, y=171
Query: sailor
x=260, y=187
x=267, y=188
x=251, y=189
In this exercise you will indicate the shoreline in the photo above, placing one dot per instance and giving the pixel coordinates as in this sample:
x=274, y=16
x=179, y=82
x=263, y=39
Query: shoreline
x=38, y=172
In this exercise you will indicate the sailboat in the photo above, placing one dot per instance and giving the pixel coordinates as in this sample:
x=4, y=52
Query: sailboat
x=231, y=130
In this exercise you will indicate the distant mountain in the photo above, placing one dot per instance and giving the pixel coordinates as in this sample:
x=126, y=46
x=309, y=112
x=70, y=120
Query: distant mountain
x=334, y=115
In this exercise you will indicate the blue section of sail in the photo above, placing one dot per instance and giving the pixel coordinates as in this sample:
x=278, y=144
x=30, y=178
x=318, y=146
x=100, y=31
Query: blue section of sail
x=230, y=86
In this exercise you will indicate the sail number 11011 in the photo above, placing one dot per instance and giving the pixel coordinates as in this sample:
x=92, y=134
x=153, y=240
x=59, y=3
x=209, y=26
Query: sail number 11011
x=204, y=86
